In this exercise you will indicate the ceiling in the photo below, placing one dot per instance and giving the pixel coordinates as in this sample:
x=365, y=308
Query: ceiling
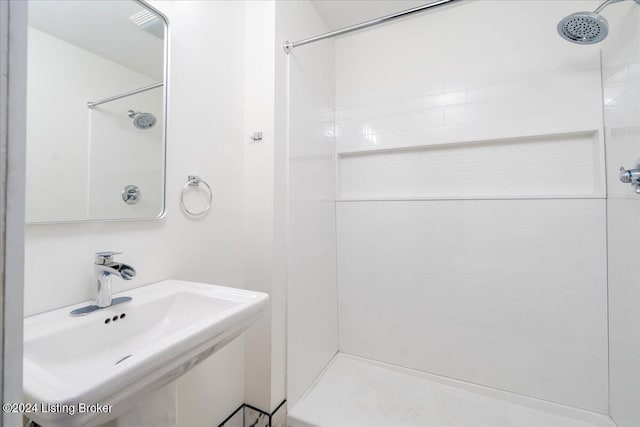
x=341, y=13
x=104, y=28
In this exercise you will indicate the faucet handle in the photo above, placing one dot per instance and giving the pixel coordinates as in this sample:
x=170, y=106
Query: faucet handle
x=106, y=257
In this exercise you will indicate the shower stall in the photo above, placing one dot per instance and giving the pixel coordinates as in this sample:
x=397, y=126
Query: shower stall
x=461, y=249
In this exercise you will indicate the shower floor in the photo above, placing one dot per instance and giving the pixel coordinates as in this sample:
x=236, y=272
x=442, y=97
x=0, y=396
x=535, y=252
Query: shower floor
x=354, y=392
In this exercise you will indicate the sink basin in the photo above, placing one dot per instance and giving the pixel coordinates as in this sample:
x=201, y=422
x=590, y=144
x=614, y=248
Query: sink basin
x=119, y=355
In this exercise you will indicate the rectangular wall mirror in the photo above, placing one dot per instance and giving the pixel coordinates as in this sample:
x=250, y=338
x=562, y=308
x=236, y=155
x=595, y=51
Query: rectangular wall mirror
x=96, y=104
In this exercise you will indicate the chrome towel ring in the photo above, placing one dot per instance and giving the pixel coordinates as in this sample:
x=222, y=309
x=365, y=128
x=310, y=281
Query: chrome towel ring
x=195, y=181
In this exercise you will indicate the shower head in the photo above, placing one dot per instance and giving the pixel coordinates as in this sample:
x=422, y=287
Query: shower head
x=583, y=28
x=586, y=27
x=142, y=120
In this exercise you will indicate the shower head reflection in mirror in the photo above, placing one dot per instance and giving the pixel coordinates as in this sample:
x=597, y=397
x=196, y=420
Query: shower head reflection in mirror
x=142, y=120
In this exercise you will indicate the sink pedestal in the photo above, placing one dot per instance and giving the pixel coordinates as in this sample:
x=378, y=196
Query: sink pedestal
x=159, y=410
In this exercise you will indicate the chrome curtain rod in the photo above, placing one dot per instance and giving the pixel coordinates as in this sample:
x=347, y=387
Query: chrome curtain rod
x=92, y=104
x=288, y=46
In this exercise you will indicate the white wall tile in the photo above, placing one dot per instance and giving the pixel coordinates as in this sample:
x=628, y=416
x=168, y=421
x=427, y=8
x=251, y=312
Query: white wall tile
x=622, y=107
x=621, y=65
x=542, y=84
x=624, y=303
x=509, y=294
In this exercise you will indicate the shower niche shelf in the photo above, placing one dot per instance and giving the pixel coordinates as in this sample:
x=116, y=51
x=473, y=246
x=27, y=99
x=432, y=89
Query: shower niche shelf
x=547, y=166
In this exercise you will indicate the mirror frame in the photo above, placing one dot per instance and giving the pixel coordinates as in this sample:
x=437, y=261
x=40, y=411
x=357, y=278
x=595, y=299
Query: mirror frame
x=165, y=99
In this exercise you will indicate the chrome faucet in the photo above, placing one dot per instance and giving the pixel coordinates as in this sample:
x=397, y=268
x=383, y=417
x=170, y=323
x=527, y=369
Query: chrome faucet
x=105, y=268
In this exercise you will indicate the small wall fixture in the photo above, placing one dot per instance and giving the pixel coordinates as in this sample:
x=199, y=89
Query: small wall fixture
x=631, y=176
x=131, y=194
x=195, y=181
x=255, y=136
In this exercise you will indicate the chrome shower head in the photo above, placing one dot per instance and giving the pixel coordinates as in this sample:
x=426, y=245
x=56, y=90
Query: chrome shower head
x=586, y=27
x=583, y=28
x=142, y=120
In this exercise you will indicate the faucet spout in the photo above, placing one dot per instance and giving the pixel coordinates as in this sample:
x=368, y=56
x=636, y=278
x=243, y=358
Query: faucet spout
x=123, y=271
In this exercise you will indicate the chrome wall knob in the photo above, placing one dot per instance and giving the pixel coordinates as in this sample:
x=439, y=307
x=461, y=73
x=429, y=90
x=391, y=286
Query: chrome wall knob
x=625, y=175
x=631, y=176
x=131, y=194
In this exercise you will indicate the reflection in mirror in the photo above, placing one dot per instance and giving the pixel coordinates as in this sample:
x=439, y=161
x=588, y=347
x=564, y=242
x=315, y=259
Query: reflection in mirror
x=95, y=111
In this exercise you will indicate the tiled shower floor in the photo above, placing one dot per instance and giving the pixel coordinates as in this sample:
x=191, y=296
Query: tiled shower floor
x=355, y=392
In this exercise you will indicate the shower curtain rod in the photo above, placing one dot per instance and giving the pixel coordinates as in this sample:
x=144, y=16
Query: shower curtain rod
x=288, y=46
x=92, y=104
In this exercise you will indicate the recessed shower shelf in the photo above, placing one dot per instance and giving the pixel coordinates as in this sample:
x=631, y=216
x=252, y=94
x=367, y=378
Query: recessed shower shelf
x=444, y=143
x=544, y=166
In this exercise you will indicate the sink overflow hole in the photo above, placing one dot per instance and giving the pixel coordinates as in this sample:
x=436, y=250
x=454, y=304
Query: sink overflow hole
x=124, y=358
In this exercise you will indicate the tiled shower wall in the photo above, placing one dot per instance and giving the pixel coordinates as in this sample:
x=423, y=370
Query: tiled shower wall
x=621, y=74
x=471, y=199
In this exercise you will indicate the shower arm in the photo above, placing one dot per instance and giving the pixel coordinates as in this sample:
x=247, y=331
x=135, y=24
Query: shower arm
x=608, y=2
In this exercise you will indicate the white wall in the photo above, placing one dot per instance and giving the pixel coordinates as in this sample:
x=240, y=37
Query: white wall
x=205, y=138
x=13, y=91
x=264, y=217
x=477, y=102
x=72, y=168
x=259, y=190
x=312, y=310
x=267, y=215
x=621, y=74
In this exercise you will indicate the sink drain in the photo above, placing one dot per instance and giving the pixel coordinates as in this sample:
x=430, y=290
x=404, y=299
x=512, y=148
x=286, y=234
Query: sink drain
x=124, y=358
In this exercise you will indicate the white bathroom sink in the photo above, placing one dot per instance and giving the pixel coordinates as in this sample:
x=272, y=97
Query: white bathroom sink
x=119, y=355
